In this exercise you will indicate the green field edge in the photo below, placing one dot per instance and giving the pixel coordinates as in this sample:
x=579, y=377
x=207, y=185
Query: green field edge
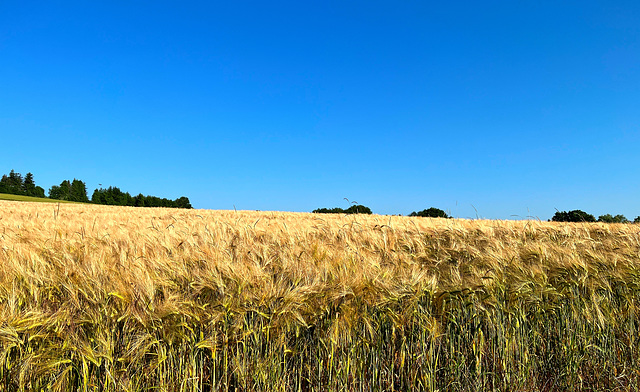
x=10, y=197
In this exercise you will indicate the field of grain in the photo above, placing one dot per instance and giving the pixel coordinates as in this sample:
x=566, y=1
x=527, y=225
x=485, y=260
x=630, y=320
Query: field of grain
x=98, y=298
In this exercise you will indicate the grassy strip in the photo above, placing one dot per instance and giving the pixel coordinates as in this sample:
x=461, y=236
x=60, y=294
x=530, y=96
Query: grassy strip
x=6, y=196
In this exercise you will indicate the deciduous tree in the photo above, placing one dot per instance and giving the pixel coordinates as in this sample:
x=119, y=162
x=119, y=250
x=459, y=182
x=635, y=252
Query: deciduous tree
x=431, y=213
x=573, y=216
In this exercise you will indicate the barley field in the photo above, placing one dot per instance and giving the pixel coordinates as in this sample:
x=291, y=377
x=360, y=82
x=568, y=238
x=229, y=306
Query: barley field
x=99, y=298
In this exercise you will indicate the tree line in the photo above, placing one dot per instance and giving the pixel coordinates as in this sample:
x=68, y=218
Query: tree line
x=360, y=209
x=114, y=196
x=354, y=209
x=581, y=216
x=15, y=184
x=432, y=212
x=76, y=190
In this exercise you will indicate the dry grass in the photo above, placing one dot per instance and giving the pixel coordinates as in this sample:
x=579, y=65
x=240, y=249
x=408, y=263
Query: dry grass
x=118, y=298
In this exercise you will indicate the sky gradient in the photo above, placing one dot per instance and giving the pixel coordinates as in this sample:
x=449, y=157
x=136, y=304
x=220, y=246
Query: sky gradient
x=487, y=109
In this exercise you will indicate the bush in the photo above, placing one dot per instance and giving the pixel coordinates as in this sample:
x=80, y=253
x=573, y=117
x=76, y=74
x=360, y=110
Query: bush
x=358, y=209
x=328, y=211
x=355, y=209
x=431, y=213
x=608, y=218
x=573, y=216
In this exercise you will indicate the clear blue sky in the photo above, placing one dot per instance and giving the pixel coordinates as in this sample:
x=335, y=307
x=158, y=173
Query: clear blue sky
x=514, y=108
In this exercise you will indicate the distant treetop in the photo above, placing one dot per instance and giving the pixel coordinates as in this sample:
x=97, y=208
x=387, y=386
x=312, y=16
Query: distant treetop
x=573, y=216
x=14, y=184
x=354, y=209
x=608, y=218
x=76, y=190
x=114, y=196
x=431, y=213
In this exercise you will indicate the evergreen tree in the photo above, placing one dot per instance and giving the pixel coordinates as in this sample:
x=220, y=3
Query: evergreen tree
x=12, y=184
x=4, y=181
x=114, y=196
x=15, y=183
x=98, y=196
x=78, y=191
x=29, y=186
x=61, y=192
x=138, y=201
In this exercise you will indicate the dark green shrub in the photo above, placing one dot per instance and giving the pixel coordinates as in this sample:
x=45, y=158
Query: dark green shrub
x=431, y=213
x=355, y=209
x=60, y=192
x=358, y=209
x=336, y=210
x=608, y=218
x=573, y=216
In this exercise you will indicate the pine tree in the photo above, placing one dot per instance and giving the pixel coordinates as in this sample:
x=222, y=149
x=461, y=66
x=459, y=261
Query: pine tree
x=29, y=186
x=78, y=191
x=13, y=183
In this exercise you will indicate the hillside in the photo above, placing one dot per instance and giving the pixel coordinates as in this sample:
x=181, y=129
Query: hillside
x=122, y=298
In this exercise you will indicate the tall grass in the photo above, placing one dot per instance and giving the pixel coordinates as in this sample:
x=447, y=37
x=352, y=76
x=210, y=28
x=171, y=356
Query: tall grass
x=97, y=298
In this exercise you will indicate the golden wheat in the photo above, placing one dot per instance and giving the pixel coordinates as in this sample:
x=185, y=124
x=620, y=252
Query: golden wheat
x=119, y=298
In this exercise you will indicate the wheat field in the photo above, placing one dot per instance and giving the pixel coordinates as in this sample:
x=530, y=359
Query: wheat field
x=99, y=298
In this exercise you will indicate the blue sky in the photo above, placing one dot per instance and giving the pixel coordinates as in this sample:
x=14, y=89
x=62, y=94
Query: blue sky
x=511, y=108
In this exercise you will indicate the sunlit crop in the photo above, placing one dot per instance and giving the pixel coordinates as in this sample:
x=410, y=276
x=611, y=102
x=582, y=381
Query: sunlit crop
x=97, y=298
